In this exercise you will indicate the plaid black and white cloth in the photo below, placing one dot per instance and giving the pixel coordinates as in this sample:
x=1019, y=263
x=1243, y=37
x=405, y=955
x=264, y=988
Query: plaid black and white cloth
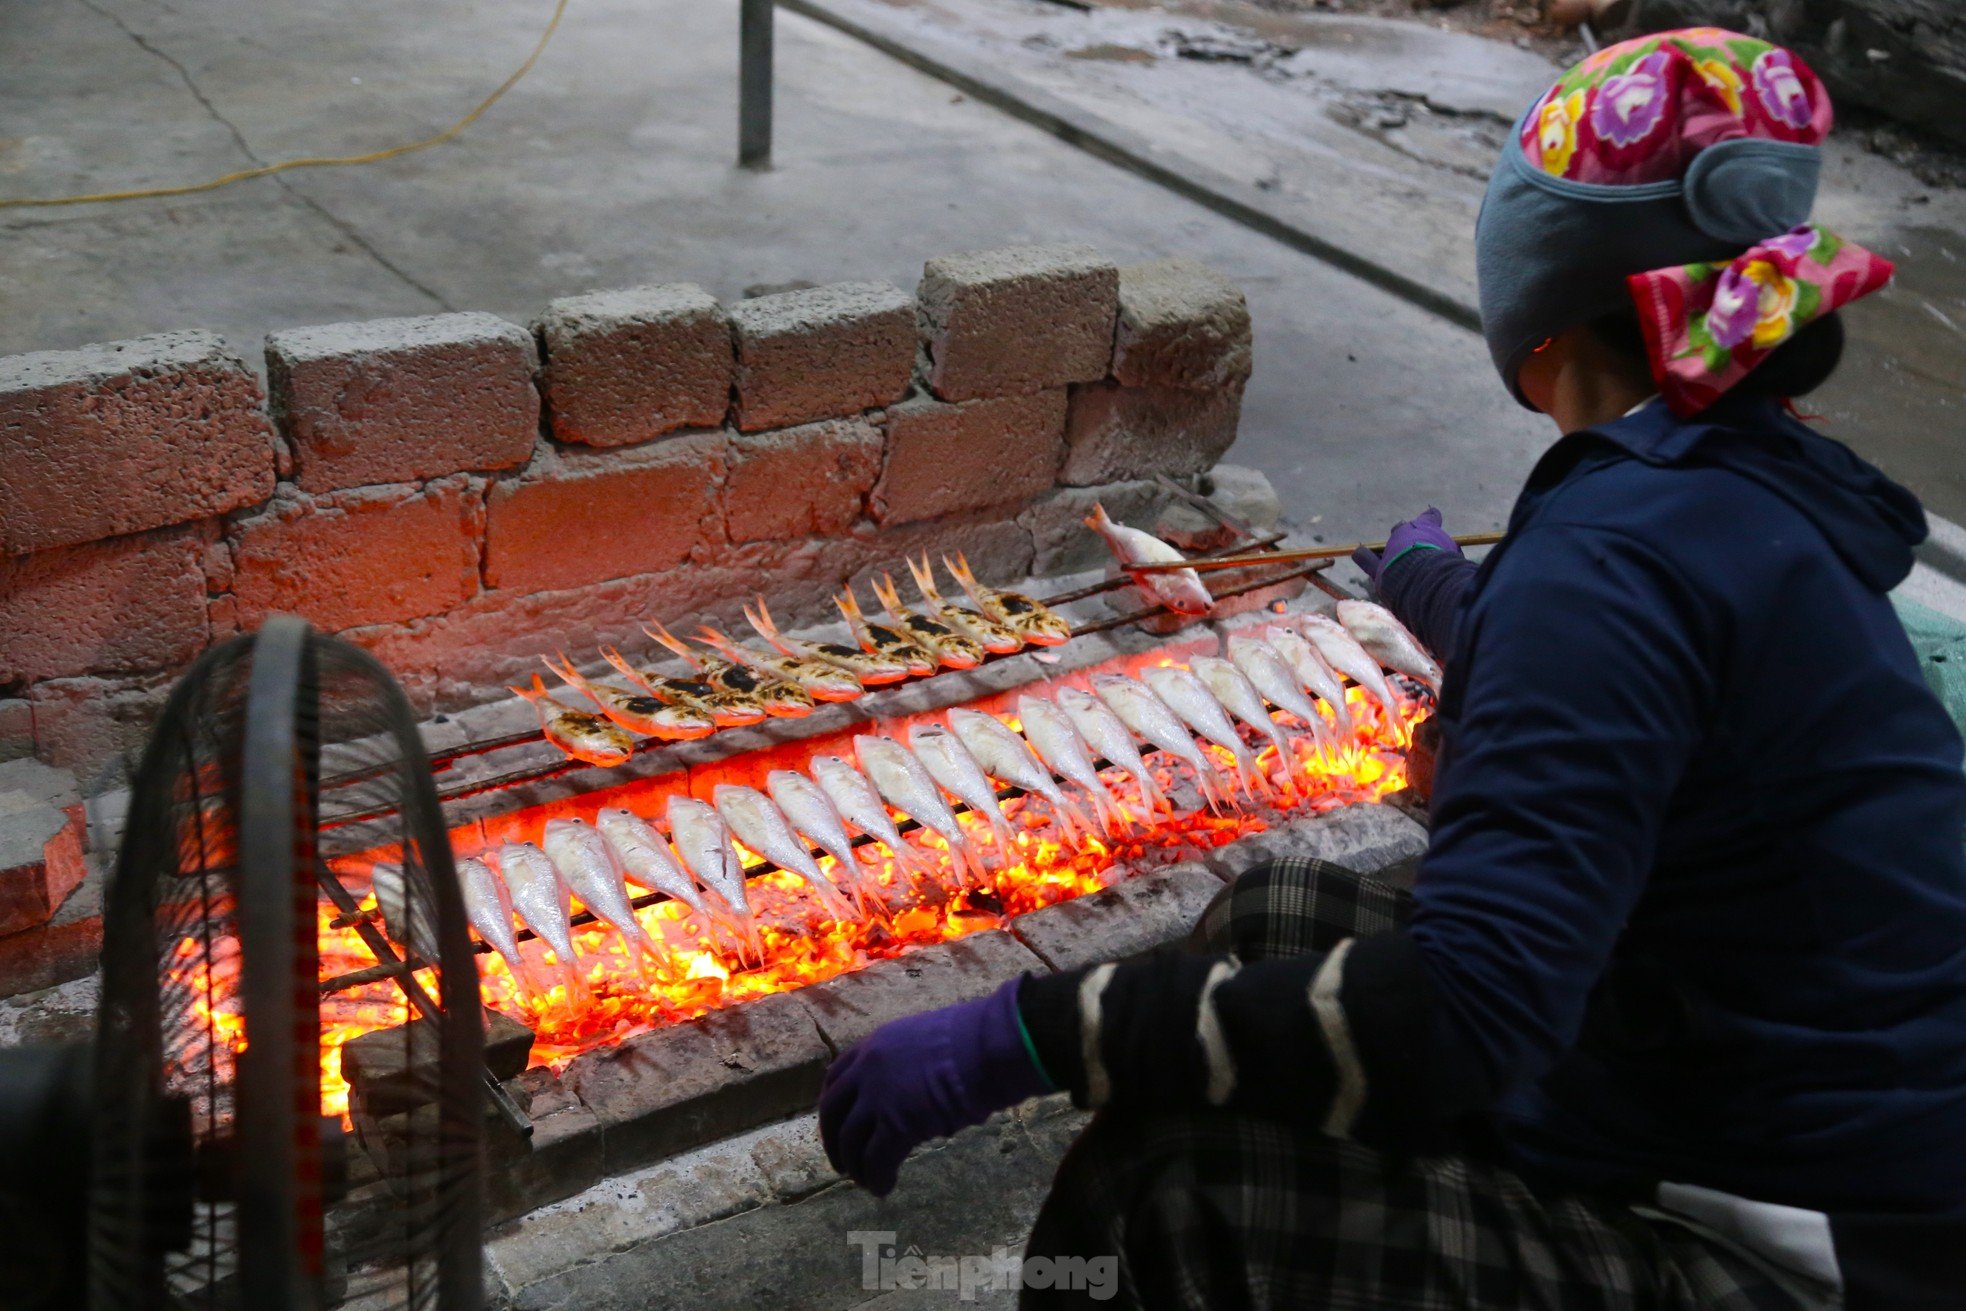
x=1217, y=1210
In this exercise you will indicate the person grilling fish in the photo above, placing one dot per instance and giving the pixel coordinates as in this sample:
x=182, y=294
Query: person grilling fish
x=1675, y=1013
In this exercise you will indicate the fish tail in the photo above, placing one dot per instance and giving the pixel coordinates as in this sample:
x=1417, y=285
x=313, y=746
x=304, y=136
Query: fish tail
x=1098, y=521
x=889, y=596
x=965, y=577
x=626, y=670
x=536, y=693
x=924, y=576
x=675, y=644
x=849, y=606
x=761, y=620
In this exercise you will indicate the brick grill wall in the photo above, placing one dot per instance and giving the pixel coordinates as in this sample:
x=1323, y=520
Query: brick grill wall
x=462, y=495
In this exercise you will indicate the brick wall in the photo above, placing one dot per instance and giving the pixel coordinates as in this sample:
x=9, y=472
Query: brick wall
x=462, y=495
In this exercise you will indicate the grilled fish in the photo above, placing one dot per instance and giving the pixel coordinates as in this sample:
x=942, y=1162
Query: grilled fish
x=951, y=649
x=585, y=737
x=694, y=700
x=906, y=785
x=778, y=697
x=763, y=828
x=813, y=813
x=407, y=924
x=1005, y=755
x=1275, y=679
x=861, y=806
x=489, y=908
x=1180, y=590
x=993, y=636
x=1032, y=621
x=1049, y=731
x=1188, y=697
x=1343, y=653
x=677, y=720
x=949, y=763
x=645, y=857
x=587, y=866
x=883, y=641
x=703, y=844
x=823, y=682
x=1314, y=675
x=1146, y=714
x=1106, y=735
x=1240, y=698
x=541, y=898
x=870, y=668
x=1388, y=641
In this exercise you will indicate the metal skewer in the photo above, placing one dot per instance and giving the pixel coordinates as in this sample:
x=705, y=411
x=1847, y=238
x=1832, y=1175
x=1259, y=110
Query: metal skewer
x=1203, y=564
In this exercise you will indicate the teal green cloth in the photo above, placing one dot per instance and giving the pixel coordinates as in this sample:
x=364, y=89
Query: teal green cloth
x=1940, y=642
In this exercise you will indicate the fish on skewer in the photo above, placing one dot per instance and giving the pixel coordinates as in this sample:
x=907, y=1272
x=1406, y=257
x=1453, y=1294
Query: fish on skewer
x=540, y=895
x=905, y=783
x=1049, y=731
x=690, y=700
x=992, y=635
x=780, y=698
x=679, y=720
x=860, y=805
x=1103, y=731
x=1342, y=652
x=952, y=767
x=1004, y=755
x=645, y=858
x=813, y=813
x=1032, y=620
x=703, y=844
x=952, y=650
x=882, y=640
x=1388, y=641
x=588, y=869
x=762, y=826
x=1183, y=692
x=489, y=908
x=405, y=923
x=1146, y=714
x=822, y=682
x=1180, y=590
x=585, y=737
x=1314, y=675
x=871, y=668
x=1275, y=679
x=1240, y=698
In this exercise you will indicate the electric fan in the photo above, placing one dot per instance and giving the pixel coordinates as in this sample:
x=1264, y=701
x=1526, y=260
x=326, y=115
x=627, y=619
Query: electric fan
x=284, y=773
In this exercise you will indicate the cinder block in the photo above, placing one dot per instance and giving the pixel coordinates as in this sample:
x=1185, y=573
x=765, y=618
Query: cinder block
x=1056, y=520
x=1365, y=838
x=578, y=517
x=562, y=1156
x=1134, y=915
x=16, y=728
x=944, y=458
x=117, y=438
x=85, y=724
x=851, y=1006
x=368, y=556
x=1181, y=324
x=118, y=606
x=402, y=400
x=1118, y=433
x=1018, y=319
x=825, y=353
x=1245, y=493
x=810, y=481
x=685, y=1084
x=40, y=853
x=628, y=366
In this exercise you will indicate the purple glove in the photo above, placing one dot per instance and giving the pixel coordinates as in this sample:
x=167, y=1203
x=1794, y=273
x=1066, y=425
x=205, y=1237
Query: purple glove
x=924, y=1077
x=1421, y=534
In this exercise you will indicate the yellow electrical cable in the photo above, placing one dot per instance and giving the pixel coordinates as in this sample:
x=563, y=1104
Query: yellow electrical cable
x=315, y=161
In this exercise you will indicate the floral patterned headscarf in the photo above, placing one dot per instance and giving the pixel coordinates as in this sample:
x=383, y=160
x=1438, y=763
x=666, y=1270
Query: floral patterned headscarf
x=1640, y=112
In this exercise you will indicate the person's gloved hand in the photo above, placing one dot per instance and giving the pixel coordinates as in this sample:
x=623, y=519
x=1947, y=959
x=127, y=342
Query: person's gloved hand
x=924, y=1077
x=1423, y=533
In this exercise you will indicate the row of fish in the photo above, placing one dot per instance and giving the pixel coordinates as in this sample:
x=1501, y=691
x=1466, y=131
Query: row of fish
x=730, y=685
x=1293, y=666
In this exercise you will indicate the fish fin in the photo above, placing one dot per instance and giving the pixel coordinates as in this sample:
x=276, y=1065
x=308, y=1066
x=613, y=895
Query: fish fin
x=924, y=575
x=626, y=670
x=536, y=693
x=849, y=606
x=890, y=599
x=567, y=673
x=966, y=579
x=1098, y=521
x=767, y=628
x=674, y=644
x=735, y=652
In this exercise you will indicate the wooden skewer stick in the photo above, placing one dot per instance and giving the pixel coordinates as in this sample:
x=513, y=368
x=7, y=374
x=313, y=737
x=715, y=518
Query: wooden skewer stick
x=1287, y=557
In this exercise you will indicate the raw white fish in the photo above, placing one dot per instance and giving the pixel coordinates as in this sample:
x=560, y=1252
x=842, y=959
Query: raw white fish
x=813, y=813
x=763, y=828
x=1106, y=735
x=406, y=925
x=861, y=806
x=703, y=844
x=541, y=898
x=1389, y=641
x=489, y=908
x=1180, y=590
x=949, y=763
x=1004, y=755
x=1146, y=714
x=906, y=785
x=646, y=859
x=584, y=861
x=1314, y=675
x=1343, y=653
x=1188, y=697
x=1049, y=731
x=1240, y=698
x=1275, y=679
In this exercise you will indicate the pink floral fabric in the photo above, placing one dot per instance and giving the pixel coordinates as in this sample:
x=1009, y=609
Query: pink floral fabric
x=1640, y=110
x=1707, y=325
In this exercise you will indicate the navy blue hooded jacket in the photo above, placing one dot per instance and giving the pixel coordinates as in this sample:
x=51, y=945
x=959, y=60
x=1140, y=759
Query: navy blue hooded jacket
x=1695, y=904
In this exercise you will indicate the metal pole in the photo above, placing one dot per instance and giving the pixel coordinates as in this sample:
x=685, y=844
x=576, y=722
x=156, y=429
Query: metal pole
x=754, y=85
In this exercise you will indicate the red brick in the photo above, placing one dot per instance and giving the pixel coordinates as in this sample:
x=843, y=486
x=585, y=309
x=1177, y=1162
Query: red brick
x=810, y=481
x=403, y=400
x=578, y=517
x=85, y=724
x=118, y=438
x=40, y=860
x=119, y=606
x=16, y=729
x=377, y=555
x=943, y=458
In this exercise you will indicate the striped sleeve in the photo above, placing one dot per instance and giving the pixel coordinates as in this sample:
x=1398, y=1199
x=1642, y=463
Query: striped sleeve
x=1343, y=1041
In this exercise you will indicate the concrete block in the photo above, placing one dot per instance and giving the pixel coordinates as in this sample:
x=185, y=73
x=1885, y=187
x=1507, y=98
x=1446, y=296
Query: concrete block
x=367, y=556
x=1245, y=493
x=1117, y=433
x=1019, y=319
x=40, y=858
x=686, y=1084
x=1181, y=324
x=84, y=724
x=851, y=1006
x=1061, y=542
x=577, y=517
x=118, y=606
x=943, y=458
x=825, y=353
x=1365, y=838
x=809, y=481
x=401, y=400
x=562, y=1156
x=628, y=366
x=117, y=438
x=16, y=728
x=1134, y=915
x=793, y=1159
